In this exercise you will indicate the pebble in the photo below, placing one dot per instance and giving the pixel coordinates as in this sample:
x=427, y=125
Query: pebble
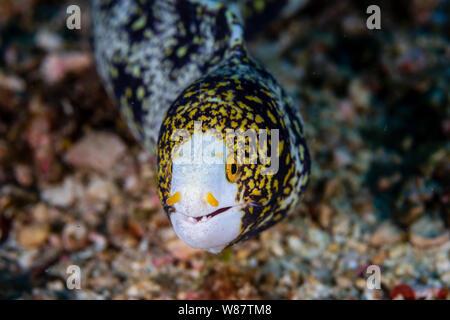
x=12, y=83
x=48, y=41
x=180, y=250
x=104, y=282
x=295, y=243
x=56, y=66
x=360, y=93
x=3, y=149
x=56, y=285
x=142, y=290
x=342, y=157
x=98, y=151
x=386, y=234
x=40, y=213
x=325, y=215
x=62, y=195
x=277, y=249
x=428, y=232
x=402, y=292
x=405, y=270
x=33, y=235
x=39, y=138
x=24, y=175
x=74, y=236
x=100, y=189
x=344, y=282
x=446, y=278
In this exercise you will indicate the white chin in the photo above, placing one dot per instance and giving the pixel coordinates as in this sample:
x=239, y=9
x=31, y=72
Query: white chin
x=211, y=235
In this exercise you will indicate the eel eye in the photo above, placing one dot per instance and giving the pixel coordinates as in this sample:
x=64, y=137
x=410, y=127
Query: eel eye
x=232, y=172
x=211, y=200
x=173, y=199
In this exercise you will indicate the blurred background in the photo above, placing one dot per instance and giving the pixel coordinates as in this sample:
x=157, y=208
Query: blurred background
x=77, y=189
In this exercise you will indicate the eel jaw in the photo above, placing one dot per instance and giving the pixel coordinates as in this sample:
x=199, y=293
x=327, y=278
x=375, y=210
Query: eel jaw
x=209, y=215
x=211, y=232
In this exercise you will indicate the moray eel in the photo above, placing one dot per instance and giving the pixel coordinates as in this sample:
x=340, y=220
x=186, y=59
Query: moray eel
x=232, y=159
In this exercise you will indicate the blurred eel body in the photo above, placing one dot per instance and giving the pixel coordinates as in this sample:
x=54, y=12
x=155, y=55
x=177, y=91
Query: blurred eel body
x=174, y=65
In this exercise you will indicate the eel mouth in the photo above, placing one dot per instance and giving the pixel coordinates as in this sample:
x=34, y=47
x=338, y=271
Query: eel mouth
x=212, y=214
x=208, y=216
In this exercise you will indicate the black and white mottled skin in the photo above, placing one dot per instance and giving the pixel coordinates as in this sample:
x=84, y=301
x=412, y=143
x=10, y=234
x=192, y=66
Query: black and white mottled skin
x=171, y=63
x=155, y=49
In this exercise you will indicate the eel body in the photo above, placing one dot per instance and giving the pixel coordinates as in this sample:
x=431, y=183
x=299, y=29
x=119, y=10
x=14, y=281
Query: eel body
x=231, y=151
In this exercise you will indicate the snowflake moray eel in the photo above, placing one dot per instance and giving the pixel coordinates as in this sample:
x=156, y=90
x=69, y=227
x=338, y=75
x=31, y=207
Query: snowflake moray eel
x=186, y=85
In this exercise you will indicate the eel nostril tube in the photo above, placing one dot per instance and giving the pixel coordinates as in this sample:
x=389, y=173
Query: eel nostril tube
x=173, y=199
x=211, y=200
